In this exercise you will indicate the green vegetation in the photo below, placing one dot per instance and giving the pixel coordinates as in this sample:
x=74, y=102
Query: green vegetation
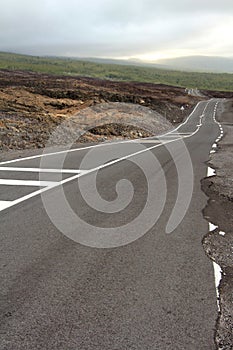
x=68, y=66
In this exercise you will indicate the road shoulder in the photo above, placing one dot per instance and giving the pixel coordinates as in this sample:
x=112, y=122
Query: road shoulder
x=219, y=242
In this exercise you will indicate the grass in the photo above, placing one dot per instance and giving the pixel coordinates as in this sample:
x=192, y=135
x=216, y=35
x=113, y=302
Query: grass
x=68, y=66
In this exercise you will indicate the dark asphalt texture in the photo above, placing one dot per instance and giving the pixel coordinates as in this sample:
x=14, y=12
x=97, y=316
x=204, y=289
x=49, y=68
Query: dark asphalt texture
x=155, y=293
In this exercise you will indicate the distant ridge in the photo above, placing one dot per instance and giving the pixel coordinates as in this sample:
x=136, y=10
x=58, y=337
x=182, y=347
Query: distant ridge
x=122, y=62
x=207, y=64
x=199, y=64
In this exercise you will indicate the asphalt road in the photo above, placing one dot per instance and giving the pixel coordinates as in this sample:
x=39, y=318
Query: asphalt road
x=78, y=289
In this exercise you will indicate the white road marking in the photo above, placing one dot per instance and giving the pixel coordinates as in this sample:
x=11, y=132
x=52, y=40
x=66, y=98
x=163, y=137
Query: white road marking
x=220, y=127
x=212, y=227
x=9, y=182
x=218, y=277
x=4, y=204
x=210, y=172
x=222, y=233
x=41, y=170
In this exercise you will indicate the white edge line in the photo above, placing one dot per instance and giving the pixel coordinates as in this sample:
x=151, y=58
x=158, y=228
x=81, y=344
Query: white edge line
x=212, y=227
x=210, y=172
x=217, y=277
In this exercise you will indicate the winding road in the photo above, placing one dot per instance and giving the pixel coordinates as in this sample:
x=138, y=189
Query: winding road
x=91, y=262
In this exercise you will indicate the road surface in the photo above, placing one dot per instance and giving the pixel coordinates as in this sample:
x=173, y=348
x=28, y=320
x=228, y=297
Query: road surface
x=157, y=292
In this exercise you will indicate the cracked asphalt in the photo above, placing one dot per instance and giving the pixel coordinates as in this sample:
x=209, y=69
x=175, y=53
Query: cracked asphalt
x=219, y=243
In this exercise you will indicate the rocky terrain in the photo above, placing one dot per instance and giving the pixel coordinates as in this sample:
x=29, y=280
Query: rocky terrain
x=218, y=244
x=32, y=105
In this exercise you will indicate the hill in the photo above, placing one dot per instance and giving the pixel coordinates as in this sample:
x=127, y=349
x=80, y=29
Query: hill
x=199, y=63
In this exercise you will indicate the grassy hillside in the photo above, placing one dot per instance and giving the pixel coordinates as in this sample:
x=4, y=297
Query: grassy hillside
x=63, y=66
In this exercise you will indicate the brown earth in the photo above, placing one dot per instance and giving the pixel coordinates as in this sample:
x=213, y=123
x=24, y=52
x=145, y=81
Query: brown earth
x=219, y=246
x=32, y=105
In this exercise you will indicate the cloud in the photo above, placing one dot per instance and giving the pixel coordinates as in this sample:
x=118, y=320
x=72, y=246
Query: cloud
x=115, y=28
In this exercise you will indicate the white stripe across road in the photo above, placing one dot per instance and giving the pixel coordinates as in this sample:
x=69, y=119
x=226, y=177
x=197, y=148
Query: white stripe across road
x=4, y=204
x=9, y=182
x=40, y=170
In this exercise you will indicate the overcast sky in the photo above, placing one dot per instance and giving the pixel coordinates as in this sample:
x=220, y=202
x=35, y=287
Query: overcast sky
x=146, y=29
